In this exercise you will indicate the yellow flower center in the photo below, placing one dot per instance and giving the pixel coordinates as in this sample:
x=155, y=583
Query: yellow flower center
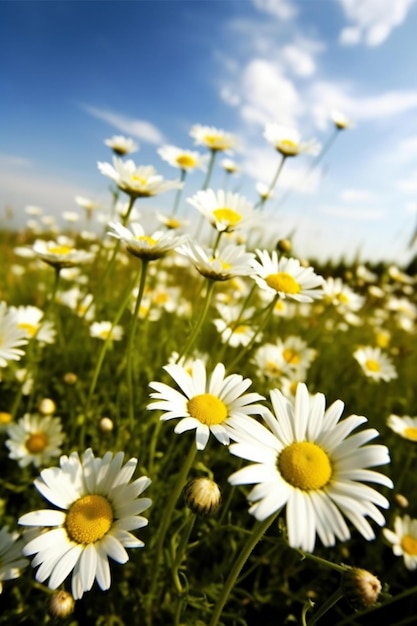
x=89, y=519
x=5, y=418
x=284, y=282
x=305, y=465
x=172, y=223
x=240, y=329
x=59, y=249
x=272, y=369
x=343, y=298
x=149, y=240
x=135, y=178
x=227, y=215
x=372, y=365
x=291, y=356
x=207, y=409
x=186, y=160
x=223, y=264
x=410, y=432
x=288, y=147
x=29, y=328
x=409, y=545
x=36, y=442
x=161, y=298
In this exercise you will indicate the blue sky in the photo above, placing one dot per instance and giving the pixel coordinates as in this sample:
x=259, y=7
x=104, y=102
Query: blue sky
x=76, y=73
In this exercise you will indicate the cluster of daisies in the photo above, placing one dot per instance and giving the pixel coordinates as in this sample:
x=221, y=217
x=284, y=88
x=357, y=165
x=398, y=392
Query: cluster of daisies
x=301, y=458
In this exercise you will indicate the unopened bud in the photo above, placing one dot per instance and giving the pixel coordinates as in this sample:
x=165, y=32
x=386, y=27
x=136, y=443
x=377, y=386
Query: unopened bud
x=70, y=378
x=46, y=406
x=61, y=604
x=284, y=245
x=106, y=425
x=361, y=588
x=202, y=496
x=401, y=500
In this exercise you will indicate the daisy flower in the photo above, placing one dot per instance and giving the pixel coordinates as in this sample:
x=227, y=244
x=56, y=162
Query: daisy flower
x=214, y=138
x=375, y=364
x=148, y=247
x=121, y=145
x=138, y=181
x=288, y=142
x=60, y=253
x=404, y=426
x=225, y=264
x=35, y=439
x=340, y=120
x=98, y=507
x=12, y=338
x=341, y=296
x=11, y=560
x=309, y=463
x=404, y=540
x=232, y=333
x=205, y=405
x=225, y=210
x=187, y=160
x=102, y=330
x=229, y=166
x=286, y=277
x=30, y=321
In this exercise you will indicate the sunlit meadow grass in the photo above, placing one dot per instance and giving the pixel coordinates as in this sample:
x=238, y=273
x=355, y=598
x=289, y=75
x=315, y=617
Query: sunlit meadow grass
x=205, y=560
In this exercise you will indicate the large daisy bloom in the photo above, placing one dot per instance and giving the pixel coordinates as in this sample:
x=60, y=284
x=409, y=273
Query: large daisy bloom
x=225, y=210
x=375, y=364
x=288, y=142
x=214, y=138
x=121, y=145
x=35, y=439
x=404, y=426
x=186, y=160
x=12, y=338
x=144, y=246
x=309, y=462
x=60, y=253
x=404, y=540
x=138, y=181
x=204, y=404
x=98, y=507
x=223, y=265
x=11, y=560
x=286, y=277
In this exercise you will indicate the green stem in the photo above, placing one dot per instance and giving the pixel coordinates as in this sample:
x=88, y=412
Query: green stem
x=131, y=343
x=178, y=194
x=209, y=170
x=342, y=569
x=257, y=534
x=331, y=601
x=181, y=550
x=262, y=201
x=198, y=325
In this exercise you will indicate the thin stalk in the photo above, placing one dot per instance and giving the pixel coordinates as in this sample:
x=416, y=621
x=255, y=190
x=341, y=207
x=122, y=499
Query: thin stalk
x=261, y=203
x=257, y=534
x=330, y=602
x=198, y=325
x=209, y=170
x=179, y=192
x=181, y=550
x=144, y=267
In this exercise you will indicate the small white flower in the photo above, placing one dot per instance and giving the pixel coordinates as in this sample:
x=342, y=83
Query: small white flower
x=121, y=145
x=138, y=181
x=12, y=338
x=98, y=507
x=11, y=560
x=214, y=138
x=204, y=405
x=30, y=321
x=35, y=439
x=144, y=246
x=375, y=364
x=225, y=264
x=186, y=160
x=288, y=142
x=404, y=540
x=60, y=253
x=105, y=329
x=226, y=211
x=404, y=426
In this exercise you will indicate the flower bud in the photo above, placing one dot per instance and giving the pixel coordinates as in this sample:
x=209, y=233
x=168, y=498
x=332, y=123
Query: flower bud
x=361, y=588
x=401, y=500
x=46, y=406
x=70, y=378
x=61, y=604
x=106, y=425
x=202, y=496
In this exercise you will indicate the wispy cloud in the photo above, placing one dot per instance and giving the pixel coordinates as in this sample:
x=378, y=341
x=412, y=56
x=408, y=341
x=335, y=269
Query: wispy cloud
x=356, y=195
x=139, y=129
x=372, y=21
x=12, y=160
x=362, y=214
x=279, y=9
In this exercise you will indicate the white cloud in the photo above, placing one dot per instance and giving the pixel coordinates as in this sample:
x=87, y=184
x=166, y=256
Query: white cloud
x=12, y=160
x=408, y=185
x=299, y=61
x=364, y=214
x=280, y=9
x=373, y=20
x=140, y=129
x=356, y=195
x=408, y=147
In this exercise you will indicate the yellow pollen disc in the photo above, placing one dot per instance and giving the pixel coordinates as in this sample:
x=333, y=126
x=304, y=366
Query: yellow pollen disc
x=161, y=298
x=213, y=141
x=207, y=409
x=343, y=298
x=272, y=368
x=224, y=264
x=409, y=545
x=291, y=356
x=288, y=147
x=284, y=282
x=89, y=519
x=185, y=160
x=59, y=249
x=139, y=179
x=241, y=329
x=305, y=465
x=372, y=365
x=227, y=215
x=29, y=328
x=172, y=223
x=382, y=340
x=410, y=432
x=5, y=418
x=36, y=442
x=149, y=240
